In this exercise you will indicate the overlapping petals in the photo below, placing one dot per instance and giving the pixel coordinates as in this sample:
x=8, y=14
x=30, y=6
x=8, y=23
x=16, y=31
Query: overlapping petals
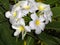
x=41, y=15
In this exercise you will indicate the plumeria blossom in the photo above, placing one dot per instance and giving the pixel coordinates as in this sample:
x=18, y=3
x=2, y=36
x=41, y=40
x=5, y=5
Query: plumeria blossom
x=26, y=7
x=21, y=28
x=16, y=7
x=40, y=14
x=37, y=23
x=48, y=16
x=45, y=9
x=12, y=16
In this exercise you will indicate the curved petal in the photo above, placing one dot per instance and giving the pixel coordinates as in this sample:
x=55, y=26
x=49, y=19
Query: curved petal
x=14, y=27
x=34, y=16
x=46, y=21
x=32, y=25
x=41, y=18
x=24, y=12
x=16, y=33
x=19, y=14
x=8, y=14
x=38, y=30
x=42, y=26
x=27, y=28
x=23, y=3
x=22, y=22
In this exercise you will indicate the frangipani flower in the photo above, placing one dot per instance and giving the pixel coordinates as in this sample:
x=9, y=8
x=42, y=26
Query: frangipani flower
x=40, y=15
x=21, y=28
x=37, y=23
x=16, y=7
x=27, y=7
x=48, y=16
x=13, y=16
x=43, y=7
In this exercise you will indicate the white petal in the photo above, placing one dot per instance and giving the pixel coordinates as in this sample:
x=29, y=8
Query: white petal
x=23, y=3
x=27, y=28
x=16, y=33
x=47, y=21
x=12, y=20
x=7, y=14
x=42, y=18
x=17, y=8
x=34, y=16
x=50, y=19
x=19, y=14
x=42, y=26
x=22, y=22
x=32, y=25
x=24, y=12
x=14, y=27
x=38, y=30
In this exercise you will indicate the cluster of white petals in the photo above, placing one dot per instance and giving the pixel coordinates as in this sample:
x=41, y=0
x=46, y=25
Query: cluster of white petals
x=38, y=22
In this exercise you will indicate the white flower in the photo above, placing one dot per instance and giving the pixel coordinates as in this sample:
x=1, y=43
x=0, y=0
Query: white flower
x=16, y=7
x=37, y=23
x=21, y=28
x=7, y=14
x=45, y=9
x=27, y=7
x=48, y=16
x=14, y=16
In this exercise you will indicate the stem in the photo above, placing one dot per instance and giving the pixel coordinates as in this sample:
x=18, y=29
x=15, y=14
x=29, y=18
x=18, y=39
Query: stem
x=16, y=40
x=32, y=36
x=24, y=42
x=15, y=1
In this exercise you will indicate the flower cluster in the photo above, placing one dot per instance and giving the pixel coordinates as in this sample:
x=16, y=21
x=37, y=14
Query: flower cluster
x=40, y=15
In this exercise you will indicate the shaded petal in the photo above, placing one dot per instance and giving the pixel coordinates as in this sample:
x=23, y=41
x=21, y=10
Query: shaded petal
x=14, y=27
x=41, y=18
x=46, y=21
x=27, y=28
x=24, y=12
x=17, y=32
x=19, y=14
x=32, y=25
x=34, y=16
x=42, y=26
x=50, y=19
x=38, y=30
x=22, y=22
x=8, y=14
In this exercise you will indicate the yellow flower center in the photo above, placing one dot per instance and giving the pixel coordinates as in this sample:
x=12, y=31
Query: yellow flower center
x=21, y=28
x=27, y=7
x=14, y=14
x=37, y=22
x=41, y=8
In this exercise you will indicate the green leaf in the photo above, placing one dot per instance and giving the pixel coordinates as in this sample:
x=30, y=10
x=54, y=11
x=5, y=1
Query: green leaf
x=30, y=41
x=50, y=1
x=5, y=4
x=1, y=43
x=54, y=25
x=2, y=15
x=48, y=39
x=6, y=35
x=56, y=12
